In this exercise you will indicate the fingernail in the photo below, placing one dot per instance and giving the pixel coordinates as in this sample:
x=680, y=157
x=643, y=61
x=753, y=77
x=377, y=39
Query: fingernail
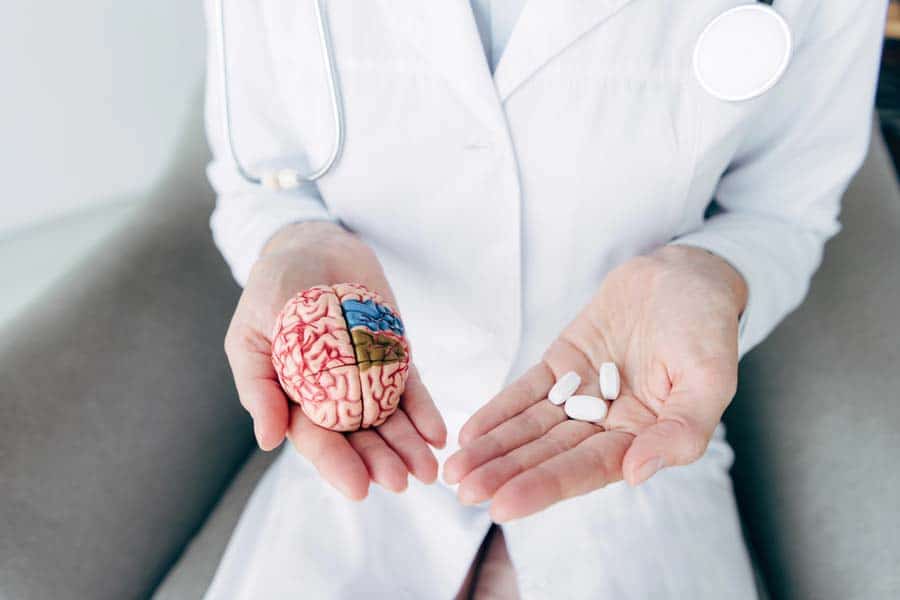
x=352, y=494
x=258, y=437
x=499, y=515
x=647, y=470
x=449, y=478
x=468, y=497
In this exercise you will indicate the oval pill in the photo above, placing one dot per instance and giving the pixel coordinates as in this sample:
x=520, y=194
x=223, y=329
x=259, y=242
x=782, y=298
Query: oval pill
x=586, y=408
x=610, y=382
x=564, y=387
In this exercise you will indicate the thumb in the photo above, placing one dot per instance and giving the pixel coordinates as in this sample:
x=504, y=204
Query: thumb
x=673, y=440
x=249, y=355
x=686, y=422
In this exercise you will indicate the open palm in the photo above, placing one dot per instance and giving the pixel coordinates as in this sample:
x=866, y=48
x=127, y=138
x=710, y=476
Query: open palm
x=300, y=257
x=670, y=322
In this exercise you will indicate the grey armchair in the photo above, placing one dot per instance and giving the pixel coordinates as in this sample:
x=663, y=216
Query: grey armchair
x=125, y=458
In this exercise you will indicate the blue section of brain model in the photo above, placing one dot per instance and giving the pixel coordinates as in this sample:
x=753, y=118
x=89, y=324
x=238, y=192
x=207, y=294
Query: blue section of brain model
x=375, y=317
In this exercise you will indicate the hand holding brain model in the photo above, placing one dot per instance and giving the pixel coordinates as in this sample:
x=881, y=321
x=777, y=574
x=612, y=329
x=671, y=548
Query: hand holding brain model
x=340, y=353
x=336, y=378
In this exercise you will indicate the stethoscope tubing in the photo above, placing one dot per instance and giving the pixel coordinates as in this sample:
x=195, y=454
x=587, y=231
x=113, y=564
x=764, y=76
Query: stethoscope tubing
x=337, y=106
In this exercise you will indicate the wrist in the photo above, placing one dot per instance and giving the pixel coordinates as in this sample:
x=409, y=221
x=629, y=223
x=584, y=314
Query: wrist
x=302, y=236
x=718, y=273
x=323, y=246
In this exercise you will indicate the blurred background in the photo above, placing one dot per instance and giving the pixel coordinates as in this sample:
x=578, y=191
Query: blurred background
x=101, y=75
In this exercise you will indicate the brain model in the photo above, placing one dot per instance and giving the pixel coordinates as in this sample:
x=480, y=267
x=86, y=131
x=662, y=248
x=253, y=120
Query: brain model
x=340, y=353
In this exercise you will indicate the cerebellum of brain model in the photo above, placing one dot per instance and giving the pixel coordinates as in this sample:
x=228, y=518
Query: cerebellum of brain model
x=341, y=354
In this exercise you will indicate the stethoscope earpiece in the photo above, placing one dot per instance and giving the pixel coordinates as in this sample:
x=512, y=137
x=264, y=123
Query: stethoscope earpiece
x=743, y=52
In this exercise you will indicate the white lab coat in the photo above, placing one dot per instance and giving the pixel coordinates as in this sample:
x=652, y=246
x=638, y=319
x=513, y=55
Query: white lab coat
x=497, y=204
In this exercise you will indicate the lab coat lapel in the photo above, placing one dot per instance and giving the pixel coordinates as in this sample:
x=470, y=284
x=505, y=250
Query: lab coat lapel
x=445, y=33
x=544, y=29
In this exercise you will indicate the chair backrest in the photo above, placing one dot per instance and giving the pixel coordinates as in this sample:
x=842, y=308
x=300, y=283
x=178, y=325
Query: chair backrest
x=94, y=96
x=119, y=423
x=816, y=423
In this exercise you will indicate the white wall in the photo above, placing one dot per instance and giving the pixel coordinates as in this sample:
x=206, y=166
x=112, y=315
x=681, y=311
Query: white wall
x=92, y=96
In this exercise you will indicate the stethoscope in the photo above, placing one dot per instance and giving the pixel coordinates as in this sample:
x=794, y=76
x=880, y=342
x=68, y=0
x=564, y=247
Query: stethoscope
x=740, y=55
x=285, y=179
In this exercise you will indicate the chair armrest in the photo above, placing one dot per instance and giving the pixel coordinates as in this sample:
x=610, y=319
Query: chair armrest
x=119, y=425
x=815, y=423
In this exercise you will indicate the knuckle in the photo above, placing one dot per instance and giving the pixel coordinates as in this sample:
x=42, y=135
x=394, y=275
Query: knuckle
x=503, y=468
x=566, y=435
x=696, y=448
x=553, y=481
x=695, y=441
x=493, y=445
x=234, y=339
x=371, y=448
x=408, y=441
x=229, y=343
x=243, y=338
x=530, y=424
x=599, y=462
x=719, y=376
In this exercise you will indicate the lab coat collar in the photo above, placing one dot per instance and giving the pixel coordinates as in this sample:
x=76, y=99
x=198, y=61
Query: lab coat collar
x=544, y=29
x=446, y=34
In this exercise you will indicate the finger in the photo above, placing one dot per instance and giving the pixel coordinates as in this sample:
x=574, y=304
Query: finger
x=400, y=435
x=331, y=454
x=249, y=354
x=592, y=464
x=531, y=387
x=421, y=410
x=483, y=482
x=384, y=466
x=521, y=429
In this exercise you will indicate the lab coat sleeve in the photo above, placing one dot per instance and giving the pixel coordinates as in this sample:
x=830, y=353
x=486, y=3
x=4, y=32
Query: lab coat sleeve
x=780, y=196
x=246, y=216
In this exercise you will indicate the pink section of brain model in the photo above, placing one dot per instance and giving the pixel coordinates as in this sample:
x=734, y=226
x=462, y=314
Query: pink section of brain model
x=340, y=352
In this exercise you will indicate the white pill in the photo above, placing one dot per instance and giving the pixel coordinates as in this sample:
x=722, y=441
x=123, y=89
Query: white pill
x=564, y=387
x=586, y=408
x=610, y=383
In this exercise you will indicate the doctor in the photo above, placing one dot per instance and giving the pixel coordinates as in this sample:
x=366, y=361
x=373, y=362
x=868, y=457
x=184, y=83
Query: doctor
x=540, y=186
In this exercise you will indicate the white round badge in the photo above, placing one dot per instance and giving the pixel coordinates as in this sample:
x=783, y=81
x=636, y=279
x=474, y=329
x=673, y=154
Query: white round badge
x=743, y=52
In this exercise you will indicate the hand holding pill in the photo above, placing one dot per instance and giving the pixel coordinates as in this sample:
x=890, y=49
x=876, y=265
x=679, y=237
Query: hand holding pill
x=663, y=330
